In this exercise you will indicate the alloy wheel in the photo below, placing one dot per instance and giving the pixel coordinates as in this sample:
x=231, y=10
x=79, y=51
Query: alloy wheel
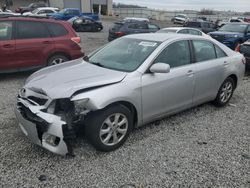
x=226, y=92
x=113, y=129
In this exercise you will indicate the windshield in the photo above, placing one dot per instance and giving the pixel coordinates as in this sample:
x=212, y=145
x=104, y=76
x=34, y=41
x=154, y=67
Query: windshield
x=238, y=28
x=194, y=24
x=125, y=54
x=35, y=11
x=167, y=31
x=31, y=5
x=62, y=11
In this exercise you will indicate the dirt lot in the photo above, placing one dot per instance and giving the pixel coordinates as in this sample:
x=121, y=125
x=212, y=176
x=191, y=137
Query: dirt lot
x=202, y=147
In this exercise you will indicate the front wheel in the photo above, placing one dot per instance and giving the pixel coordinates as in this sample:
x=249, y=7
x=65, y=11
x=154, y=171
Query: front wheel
x=225, y=92
x=57, y=59
x=108, y=129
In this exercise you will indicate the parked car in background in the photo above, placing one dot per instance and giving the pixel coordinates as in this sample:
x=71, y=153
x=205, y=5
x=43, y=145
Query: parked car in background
x=232, y=34
x=245, y=50
x=85, y=24
x=136, y=19
x=153, y=76
x=122, y=28
x=30, y=8
x=7, y=14
x=180, y=19
x=183, y=30
x=232, y=20
x=204, y=26
x=43, y=11
x=6, y=10
x=36, y=43
x=68, y=13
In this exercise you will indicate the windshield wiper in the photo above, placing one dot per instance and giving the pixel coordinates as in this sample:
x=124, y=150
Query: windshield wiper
x=86, y=58
x=97, y=64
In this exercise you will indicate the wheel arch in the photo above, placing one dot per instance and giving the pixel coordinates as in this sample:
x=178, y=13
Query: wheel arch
x=57, y=53
x=131, y=107
x=235, y=78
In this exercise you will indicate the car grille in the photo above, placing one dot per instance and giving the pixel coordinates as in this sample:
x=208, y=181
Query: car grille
x=27, y=114
x=220, y=38
x=37, y=100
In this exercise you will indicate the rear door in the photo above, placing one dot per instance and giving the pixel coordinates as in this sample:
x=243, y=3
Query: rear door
x=7, y=45
x=33, y=43
x=209, y=70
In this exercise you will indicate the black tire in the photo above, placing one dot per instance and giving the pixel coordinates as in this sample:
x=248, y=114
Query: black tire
x=219, y=102
x=57, y=58
x=96, y=121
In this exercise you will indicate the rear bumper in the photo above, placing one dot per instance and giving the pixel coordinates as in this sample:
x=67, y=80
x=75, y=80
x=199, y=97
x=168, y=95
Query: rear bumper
x=41, y=128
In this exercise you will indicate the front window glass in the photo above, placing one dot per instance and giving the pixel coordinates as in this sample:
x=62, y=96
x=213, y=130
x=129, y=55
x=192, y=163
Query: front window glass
x=238, y=28
x=176, y=54
x=5, y=31
x=35, y=11
x=125, y=54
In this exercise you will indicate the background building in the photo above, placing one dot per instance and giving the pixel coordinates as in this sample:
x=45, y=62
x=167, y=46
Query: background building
x=103, y=7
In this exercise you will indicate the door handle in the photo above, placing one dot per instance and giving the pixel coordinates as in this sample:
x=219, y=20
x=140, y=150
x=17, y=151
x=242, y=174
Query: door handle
x=8, y=46
x=190, y=72
x=226, y=63
x=47, y=42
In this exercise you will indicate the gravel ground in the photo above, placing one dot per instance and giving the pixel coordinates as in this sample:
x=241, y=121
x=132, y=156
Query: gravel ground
x=202, y=147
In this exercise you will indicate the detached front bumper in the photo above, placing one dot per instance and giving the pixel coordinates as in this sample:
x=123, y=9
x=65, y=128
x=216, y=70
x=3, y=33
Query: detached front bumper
x=43, y=129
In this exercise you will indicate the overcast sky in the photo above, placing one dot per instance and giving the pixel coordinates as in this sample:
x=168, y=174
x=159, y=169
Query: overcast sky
x=235, y=5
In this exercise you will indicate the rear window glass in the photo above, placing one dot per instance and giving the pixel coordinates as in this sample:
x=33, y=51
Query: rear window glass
x=56, y=30
x=117, y=26
x=220, y=53
x=194, y=24
x=204, y=50
x=31, y=30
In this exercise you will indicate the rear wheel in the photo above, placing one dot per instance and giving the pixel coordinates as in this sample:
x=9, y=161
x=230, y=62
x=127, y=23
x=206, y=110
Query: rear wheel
x=108, y=129
x=57, y=59
x=225, y=92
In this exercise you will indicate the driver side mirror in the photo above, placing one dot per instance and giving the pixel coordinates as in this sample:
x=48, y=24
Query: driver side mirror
x=160, y=68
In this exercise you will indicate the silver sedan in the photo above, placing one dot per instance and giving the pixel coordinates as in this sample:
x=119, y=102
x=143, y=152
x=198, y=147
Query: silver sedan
x=129, y=82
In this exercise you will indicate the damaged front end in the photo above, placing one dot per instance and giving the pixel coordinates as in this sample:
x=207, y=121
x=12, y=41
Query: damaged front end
x=49, y=123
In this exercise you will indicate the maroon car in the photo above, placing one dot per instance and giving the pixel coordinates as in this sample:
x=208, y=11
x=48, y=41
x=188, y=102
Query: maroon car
x=27, y=43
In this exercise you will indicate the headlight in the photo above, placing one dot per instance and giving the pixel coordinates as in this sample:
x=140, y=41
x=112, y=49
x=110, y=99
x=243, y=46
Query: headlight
x=80, y=106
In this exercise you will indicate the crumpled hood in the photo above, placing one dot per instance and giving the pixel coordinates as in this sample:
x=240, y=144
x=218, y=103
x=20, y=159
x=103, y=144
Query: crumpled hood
x=62, y=81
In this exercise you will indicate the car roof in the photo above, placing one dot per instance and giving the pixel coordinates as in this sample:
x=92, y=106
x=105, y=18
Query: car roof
x=161, y=37
x=29, y=18
x=179, y=28
x=238, y=23
x=49, y=8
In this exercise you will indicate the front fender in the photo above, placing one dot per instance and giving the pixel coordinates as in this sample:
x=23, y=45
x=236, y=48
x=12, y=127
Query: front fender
x=125, y=91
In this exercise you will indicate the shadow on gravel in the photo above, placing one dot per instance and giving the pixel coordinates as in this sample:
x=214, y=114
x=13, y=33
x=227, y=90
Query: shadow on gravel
x=16, y=75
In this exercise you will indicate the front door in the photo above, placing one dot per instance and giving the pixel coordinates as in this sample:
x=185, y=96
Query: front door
x=7, y=46
x=164, y=93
